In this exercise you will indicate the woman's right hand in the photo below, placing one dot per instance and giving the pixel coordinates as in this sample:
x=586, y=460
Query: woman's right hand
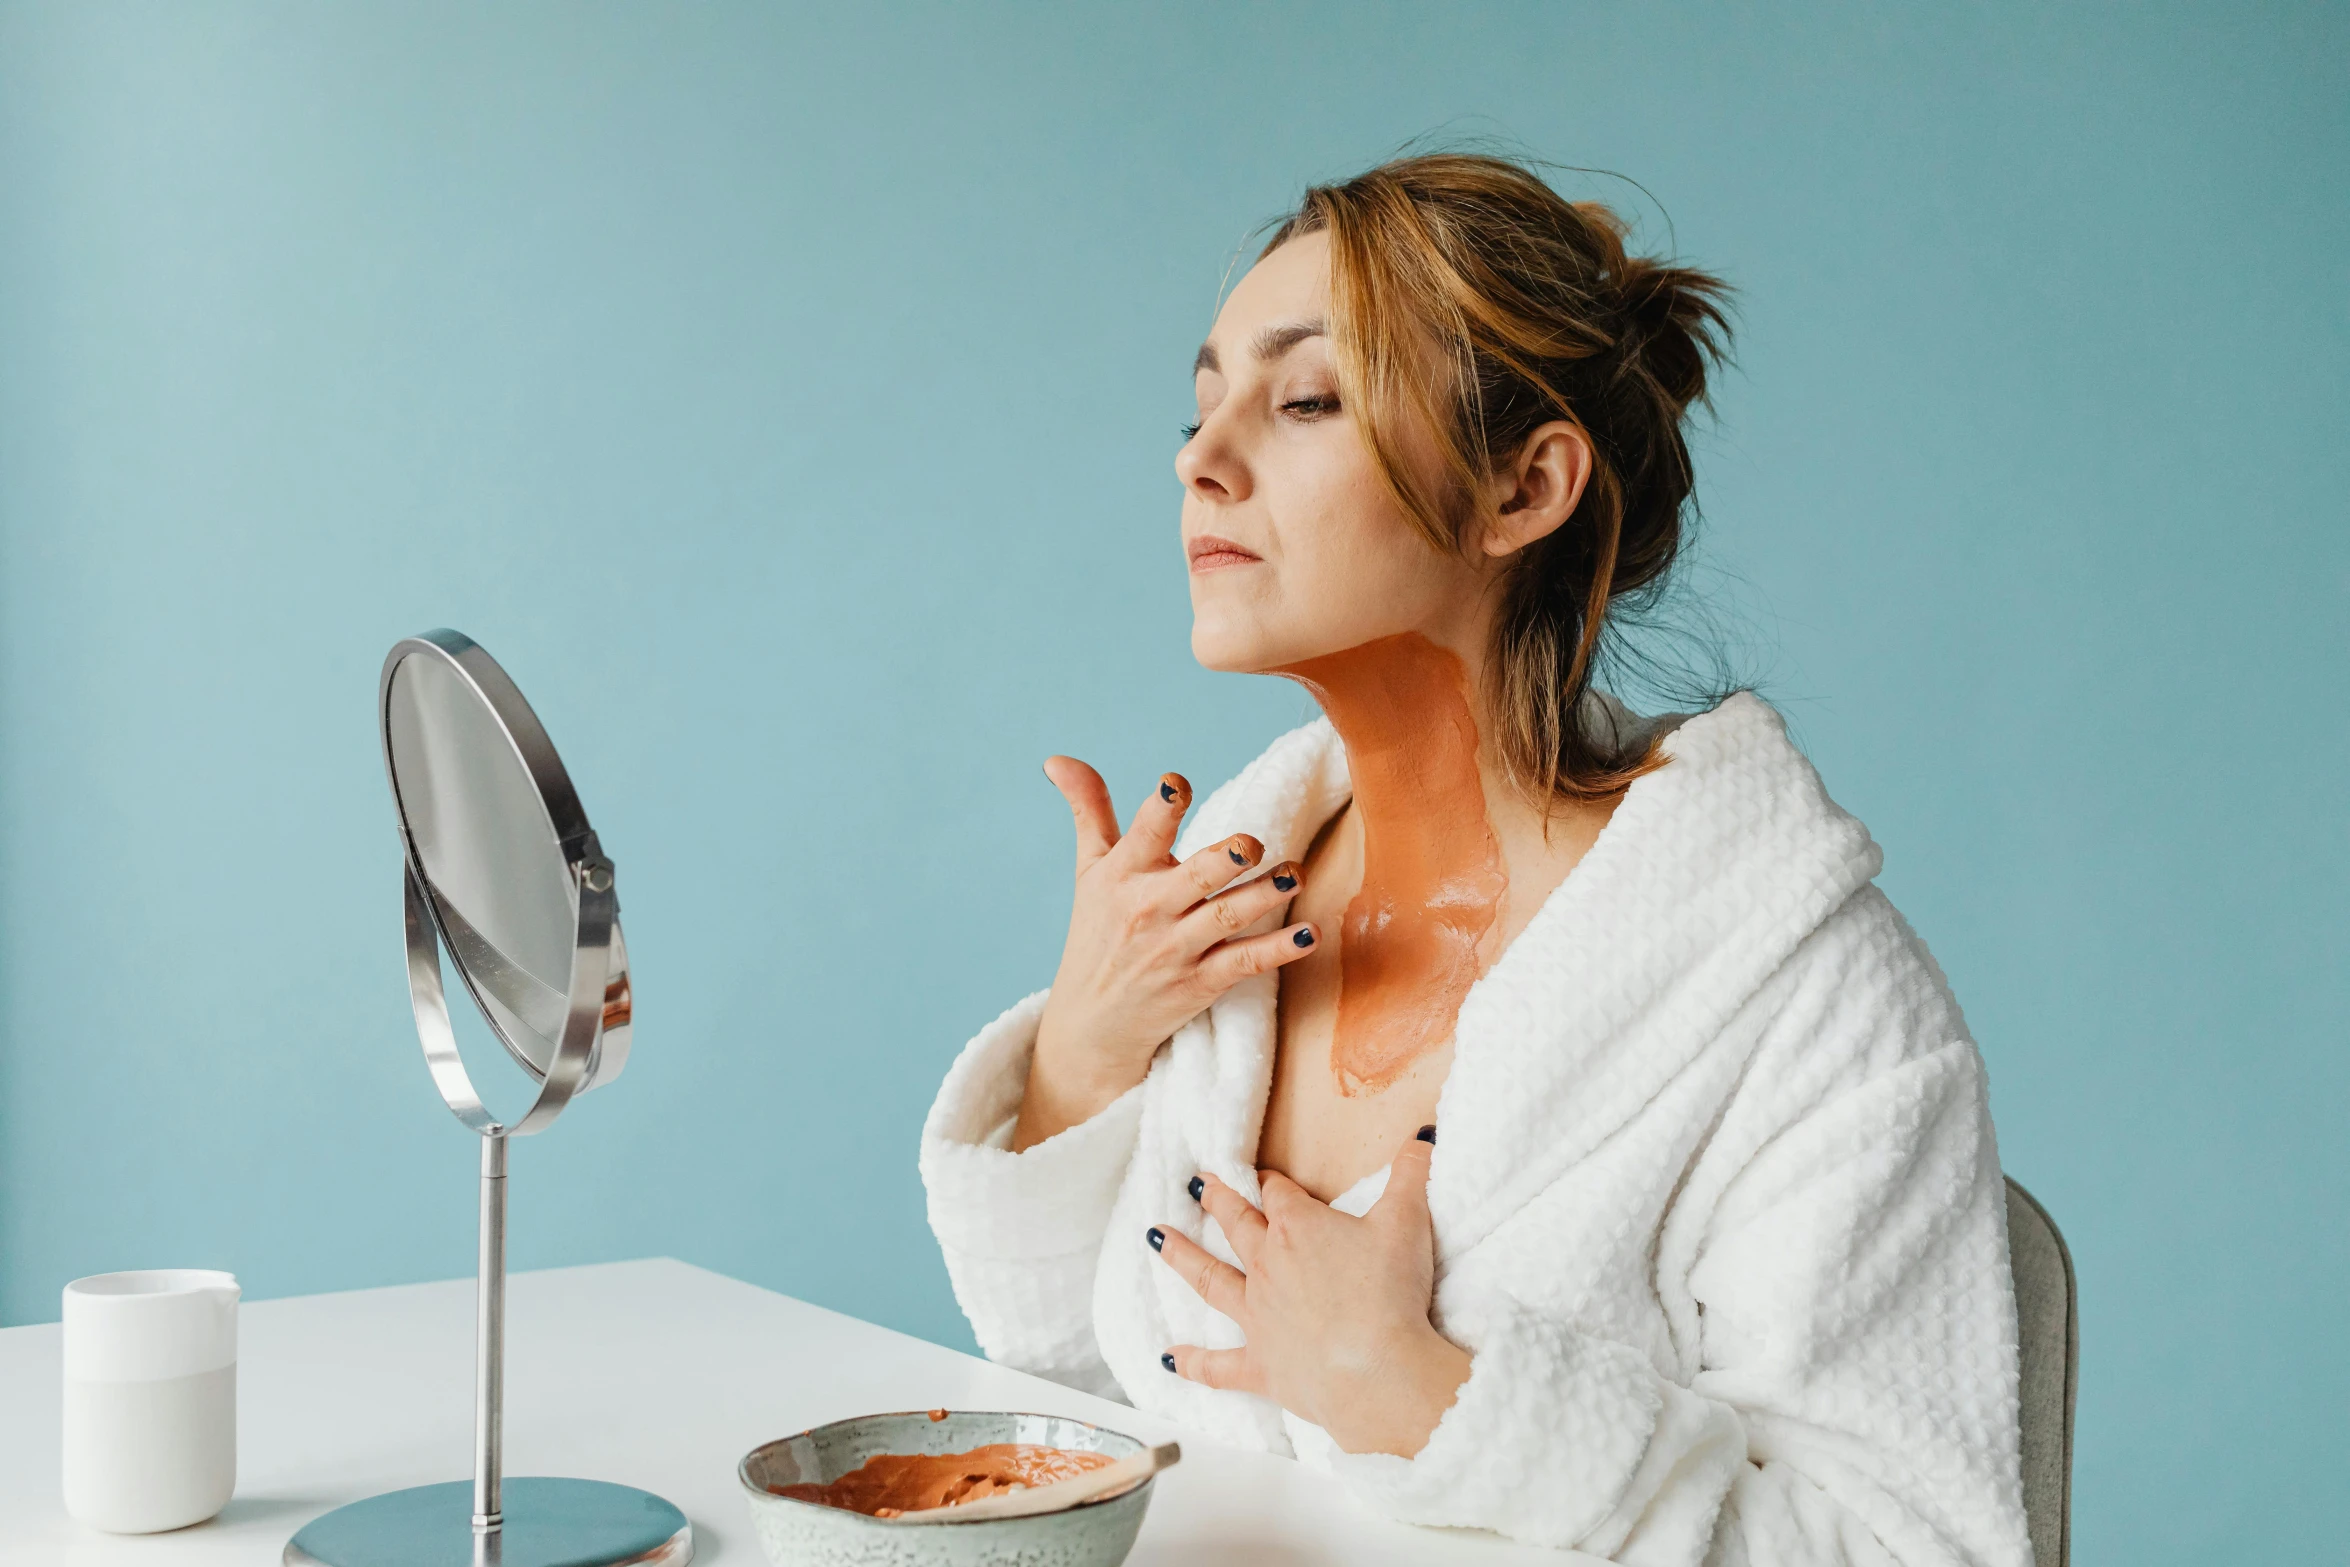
x=1151, y=943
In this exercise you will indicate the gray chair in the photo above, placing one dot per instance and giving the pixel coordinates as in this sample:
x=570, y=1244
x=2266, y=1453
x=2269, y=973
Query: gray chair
x=2048, y=1333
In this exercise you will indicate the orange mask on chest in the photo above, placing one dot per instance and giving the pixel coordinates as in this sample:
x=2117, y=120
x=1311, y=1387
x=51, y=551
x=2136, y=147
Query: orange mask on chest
x=1433, y=875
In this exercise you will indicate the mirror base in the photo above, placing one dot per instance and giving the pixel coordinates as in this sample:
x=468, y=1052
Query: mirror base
x=548, y=1523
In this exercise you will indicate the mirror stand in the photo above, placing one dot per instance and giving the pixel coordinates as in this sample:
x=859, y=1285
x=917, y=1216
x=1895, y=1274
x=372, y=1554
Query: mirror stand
x=504, y=874
x=491, y=1521
x=489, y=1341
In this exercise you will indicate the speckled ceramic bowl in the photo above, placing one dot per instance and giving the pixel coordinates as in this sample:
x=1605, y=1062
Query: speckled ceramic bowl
x=805, y=1534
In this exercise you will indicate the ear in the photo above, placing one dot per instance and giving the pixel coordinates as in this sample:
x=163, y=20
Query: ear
x=1537, y=491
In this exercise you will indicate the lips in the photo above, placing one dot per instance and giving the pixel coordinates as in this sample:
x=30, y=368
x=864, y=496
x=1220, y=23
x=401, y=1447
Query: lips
x=1210, y=553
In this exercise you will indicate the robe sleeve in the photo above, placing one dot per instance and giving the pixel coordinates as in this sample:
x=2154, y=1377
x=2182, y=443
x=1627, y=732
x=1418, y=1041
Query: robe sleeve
x=1854, y=1400
x=1022, y=1232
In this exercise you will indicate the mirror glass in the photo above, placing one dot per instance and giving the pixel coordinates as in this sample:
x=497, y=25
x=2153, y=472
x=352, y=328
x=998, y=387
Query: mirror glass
x=495, y=872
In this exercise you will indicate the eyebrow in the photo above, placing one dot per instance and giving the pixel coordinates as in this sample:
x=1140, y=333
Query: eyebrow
x=1270, y=344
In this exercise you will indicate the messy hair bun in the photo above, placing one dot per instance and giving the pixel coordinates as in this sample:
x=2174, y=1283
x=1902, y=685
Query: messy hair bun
x=1472, y=301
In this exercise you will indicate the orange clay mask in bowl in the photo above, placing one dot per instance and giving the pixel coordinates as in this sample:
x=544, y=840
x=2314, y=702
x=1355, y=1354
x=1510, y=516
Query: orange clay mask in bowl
x=839, y=1493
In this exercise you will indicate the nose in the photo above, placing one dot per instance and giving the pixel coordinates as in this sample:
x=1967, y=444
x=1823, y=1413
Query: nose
x=1210, y=467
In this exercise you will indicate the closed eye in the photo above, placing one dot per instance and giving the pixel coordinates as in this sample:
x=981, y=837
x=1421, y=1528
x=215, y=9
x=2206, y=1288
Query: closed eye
x=1309, y=408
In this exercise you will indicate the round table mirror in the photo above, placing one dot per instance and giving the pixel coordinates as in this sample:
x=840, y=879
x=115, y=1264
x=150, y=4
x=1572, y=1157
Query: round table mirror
x=502, y=874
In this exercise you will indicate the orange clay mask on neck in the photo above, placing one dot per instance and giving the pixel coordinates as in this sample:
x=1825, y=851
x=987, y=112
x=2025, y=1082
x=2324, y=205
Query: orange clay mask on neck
x=1433, y=877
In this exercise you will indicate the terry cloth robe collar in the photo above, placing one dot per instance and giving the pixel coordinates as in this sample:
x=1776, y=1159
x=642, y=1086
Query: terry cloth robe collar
x=1709, y=873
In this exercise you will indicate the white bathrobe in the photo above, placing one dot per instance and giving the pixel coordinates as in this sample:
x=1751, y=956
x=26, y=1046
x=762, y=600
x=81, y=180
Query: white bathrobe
x=1718, y=1213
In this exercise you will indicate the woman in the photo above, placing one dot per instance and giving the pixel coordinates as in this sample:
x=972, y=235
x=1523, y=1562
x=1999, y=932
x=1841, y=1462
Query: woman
x=1709, y=1264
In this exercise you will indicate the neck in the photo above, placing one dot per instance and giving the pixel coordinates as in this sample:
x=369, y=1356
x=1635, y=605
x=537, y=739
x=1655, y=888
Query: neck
x=1401, y=706
x=1433, y=872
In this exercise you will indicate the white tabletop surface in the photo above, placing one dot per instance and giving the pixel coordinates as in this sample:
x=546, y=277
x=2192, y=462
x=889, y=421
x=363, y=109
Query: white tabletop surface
x=654, y=1374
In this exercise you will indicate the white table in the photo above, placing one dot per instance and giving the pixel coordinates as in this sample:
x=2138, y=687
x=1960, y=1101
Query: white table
x=654, y=1374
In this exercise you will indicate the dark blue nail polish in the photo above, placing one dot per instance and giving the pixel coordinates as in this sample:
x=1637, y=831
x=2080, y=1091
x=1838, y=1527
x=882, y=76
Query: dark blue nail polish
x=1168, y=1360
x=1157, y=1237
x=1198, y=1188
x=1284, y=882
x=1167, y=792
x=1427, y=1134
x=1304, y=938
x=1238, y=858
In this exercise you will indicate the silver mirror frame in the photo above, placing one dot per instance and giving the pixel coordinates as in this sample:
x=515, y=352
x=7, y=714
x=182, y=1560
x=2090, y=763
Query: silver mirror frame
x=597, y=1018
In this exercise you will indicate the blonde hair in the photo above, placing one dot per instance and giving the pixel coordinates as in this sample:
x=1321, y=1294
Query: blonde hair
x=1472, y=301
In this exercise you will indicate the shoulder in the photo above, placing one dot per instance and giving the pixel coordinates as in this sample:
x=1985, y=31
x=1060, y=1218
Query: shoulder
x=1728, y=856
x=1734, y=772
x=1862, y=994
x=1742, y=820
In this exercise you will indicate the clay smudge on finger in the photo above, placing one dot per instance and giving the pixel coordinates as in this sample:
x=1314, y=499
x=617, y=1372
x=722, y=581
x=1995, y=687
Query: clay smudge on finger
x=1433, y=874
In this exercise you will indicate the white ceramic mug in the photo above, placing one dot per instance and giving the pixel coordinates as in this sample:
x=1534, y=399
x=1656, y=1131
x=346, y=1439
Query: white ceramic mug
x=150, y=1398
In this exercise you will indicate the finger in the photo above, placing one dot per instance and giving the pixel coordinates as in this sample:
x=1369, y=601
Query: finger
x=1089, y=803
x=1222, y=918
x=1406, y=1197
x=1228, y=963
x=1218, y=1283
x=1151, y=834
x=1243, y=1226
x=1283, y=1196
x=1234, y=1369
x=1210, y=871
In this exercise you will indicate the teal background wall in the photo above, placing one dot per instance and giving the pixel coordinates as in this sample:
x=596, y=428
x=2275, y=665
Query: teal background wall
x=787, y=396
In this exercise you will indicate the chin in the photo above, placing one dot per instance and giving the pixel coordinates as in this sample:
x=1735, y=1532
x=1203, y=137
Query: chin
x=1229, y=618
x=1225, y=648
x=1243, y=647
x=1232, y=640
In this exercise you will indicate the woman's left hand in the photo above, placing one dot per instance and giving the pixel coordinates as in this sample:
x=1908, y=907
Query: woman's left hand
x=1335, y=1308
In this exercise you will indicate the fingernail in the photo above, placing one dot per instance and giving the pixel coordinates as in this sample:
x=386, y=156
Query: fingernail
x=1198, y=1188
x=1238, y=858
x=1158, y=1237
x=1285, y=880
x=1304, y=938
x=1426, y=1134
x=1171, y=787
x=1168, y=1360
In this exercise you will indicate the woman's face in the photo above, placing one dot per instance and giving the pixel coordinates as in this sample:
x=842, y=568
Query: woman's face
x=1296, y=546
